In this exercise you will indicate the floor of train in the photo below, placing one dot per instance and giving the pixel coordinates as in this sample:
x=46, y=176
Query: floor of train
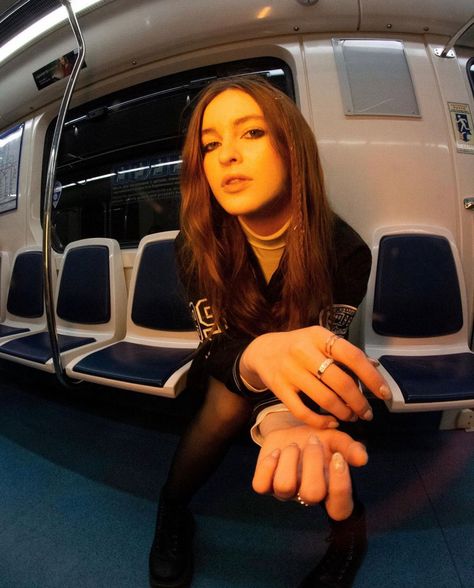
x=80, y=470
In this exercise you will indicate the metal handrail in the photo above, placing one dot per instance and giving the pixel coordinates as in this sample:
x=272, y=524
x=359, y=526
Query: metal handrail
x=453, y=40
x=50, y=177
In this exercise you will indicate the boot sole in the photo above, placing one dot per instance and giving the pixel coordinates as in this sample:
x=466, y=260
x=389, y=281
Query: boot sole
x=182, y=582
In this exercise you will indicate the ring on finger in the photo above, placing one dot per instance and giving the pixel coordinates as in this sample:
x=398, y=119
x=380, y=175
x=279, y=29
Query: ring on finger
x=330, y=343
x=323, y=367
x=301, y=501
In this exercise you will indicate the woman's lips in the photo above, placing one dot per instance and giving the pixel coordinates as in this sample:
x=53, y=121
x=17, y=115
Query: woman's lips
x=234, y=183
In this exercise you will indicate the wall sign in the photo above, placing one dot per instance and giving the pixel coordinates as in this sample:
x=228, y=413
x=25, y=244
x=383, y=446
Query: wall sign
x=56, y=70
x=463, y=128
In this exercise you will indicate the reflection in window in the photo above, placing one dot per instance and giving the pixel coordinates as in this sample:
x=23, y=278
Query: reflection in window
x=119, y=158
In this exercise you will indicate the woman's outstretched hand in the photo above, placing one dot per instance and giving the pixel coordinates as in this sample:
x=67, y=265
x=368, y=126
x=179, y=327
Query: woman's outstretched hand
x=311, y=464
x=297, y=361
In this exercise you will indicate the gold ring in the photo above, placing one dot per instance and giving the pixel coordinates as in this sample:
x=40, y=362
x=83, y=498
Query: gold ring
x=330, y=343
x=301, y=501
x=323, y=367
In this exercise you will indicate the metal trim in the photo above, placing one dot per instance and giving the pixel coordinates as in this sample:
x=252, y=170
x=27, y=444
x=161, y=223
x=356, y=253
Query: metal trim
x=47, y=206
x=447, y=51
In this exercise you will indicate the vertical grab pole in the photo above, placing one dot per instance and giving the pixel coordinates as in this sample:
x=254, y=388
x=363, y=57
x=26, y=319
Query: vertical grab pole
x=51, y=173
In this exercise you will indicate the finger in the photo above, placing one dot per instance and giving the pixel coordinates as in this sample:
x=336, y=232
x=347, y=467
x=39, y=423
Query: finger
x=313, y=487
x=352, y=451
x=302, y=370
x=347, y=389
x=304, y=414
x=264, y=471
x=356, y=360
x=303, y=378
x=285, y=480
x=339, y=503
x=333, y=390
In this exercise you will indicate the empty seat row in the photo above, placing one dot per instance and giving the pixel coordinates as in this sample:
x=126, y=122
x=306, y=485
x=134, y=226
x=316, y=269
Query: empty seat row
x=415, y=319
x=144, y=343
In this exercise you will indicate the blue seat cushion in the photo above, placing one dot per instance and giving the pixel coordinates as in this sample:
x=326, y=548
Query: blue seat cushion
x=5, y=330
x=25, y=295
x=134, y=363
x=159, y=301
x=37, y=347
x=417, y=290
x=432, y=378
x=84, y=291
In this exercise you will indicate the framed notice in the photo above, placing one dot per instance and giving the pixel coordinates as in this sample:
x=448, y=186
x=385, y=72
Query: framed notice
x=10, y=150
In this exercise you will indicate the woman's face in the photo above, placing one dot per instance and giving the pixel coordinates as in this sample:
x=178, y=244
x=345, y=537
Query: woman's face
x=245, y=172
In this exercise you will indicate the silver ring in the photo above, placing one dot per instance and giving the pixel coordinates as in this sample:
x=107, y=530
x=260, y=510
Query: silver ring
x=301, y=501
x=330, y=343
x=323, y=367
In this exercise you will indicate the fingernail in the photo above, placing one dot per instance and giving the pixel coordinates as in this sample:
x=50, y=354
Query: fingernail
x=313, y=440
x=368, y=415
x=333, y=425
x=339, y=462
x=354, y=418
x=374, y=361
x=385, y=392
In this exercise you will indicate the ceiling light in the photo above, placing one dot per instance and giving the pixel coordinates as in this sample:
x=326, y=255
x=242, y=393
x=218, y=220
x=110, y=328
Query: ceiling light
x=40, y=27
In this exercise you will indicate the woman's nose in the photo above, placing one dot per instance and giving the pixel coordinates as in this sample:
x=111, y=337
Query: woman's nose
x=229, y=153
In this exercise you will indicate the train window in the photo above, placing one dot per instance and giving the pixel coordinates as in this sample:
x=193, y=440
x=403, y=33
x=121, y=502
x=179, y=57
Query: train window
x=118, y=162
x=10, y=149
x=374, y=77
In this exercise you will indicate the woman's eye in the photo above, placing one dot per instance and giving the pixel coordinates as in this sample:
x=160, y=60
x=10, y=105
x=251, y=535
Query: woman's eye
x=209, y=146
x=254, y=134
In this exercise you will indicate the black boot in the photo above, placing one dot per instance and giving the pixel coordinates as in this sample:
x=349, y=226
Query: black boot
x=171, y=555
x=346, y=551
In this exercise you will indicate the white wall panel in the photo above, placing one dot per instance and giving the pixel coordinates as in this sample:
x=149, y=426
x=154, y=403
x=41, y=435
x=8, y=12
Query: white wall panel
x=415, y=16
x=392, y=171
x=454, y=87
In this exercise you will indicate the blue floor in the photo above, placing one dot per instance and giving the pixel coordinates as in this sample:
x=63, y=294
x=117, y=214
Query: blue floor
x=80, y=471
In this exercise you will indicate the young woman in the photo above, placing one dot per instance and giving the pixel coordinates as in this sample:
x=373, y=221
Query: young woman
x=274, y=279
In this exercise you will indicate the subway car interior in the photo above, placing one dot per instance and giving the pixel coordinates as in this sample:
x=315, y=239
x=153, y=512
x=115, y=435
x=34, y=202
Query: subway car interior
x=96, y=340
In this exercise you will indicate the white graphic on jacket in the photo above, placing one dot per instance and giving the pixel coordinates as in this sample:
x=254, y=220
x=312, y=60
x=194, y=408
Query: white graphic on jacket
x=204, y=319
x=338, y=319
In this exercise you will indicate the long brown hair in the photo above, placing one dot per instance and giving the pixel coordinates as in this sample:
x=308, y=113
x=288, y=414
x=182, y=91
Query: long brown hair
x=215, y=250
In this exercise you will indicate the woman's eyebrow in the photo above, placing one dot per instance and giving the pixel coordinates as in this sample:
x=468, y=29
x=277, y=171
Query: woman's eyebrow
x=237, y=122
x=244, y=119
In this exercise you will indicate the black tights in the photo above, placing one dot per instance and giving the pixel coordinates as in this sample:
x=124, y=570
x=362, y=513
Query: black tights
x=205, y=442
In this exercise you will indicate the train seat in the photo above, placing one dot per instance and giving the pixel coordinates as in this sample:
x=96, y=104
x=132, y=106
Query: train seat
x=155, y=355
x=90, y=301
x=416, y=322
x=24, y=309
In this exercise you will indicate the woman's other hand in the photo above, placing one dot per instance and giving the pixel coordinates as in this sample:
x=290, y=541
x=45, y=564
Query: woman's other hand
x=297, y=361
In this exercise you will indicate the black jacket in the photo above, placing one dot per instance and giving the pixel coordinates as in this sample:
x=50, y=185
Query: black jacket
x=218, y=355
